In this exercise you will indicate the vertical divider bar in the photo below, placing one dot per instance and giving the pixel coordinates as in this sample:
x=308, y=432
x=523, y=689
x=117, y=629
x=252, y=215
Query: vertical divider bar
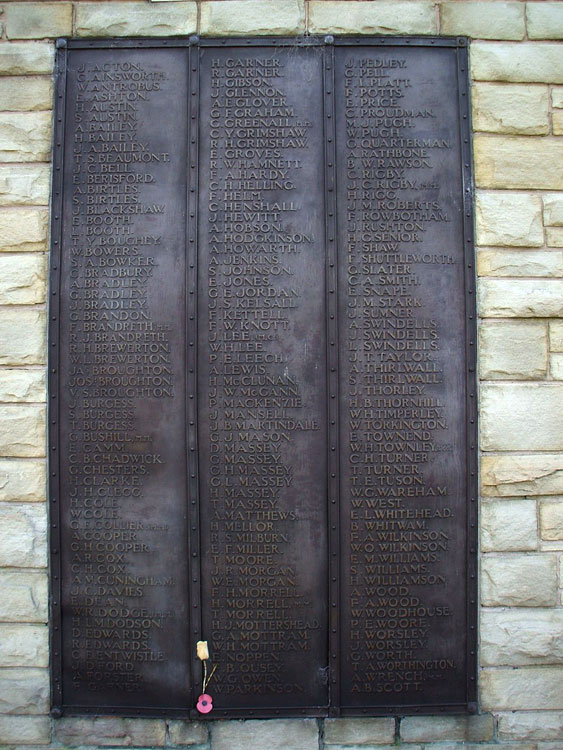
x=332, y=378
x=471, y=366
x=53, y=306
x=194, y=561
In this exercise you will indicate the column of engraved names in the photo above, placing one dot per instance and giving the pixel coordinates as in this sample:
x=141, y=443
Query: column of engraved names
x=393, y=368
x=118, y=358
x=261, y=407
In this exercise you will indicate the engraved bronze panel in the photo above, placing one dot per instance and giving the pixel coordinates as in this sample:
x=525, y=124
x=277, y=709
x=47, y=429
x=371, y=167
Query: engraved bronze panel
x=262, y=377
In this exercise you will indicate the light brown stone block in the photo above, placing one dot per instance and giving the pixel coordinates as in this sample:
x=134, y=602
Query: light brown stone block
x=26, y=93
x=516, y=109
x=276, y=734
x=329, y=17
x=557, y=96
x=18, y=385
x=24, y=645
x=24, y=691
x=521, y=637
x=22, y=430
x=500, y=262
x=553, y=209
x=112, y=731
x=521, y=416
x=554, y=236
x=510, y=219
x=521, y=475
x=556, y=366
x=187, y=732
x=24, y=184
x=519, y=580
x=530, y=725
x=359, y=731
x=22, y=480
x=135, y=19
x=26, y=58
x=514, y=350
x=22, y=336
x=527, y=688
x=545, y=20
x=23, y=535
x=38, y=20
x=483, y=20
x=24, y=596
x=25, y=730
x=518, y=162
x=23, y=279
x=551, y=521
x=25, y=136
x=522, y=62
x=23, y=229
x=509, y=526
x=252, y=17
x=439, y=728
x=520, y=298
x=556, y=335
x=557, y=122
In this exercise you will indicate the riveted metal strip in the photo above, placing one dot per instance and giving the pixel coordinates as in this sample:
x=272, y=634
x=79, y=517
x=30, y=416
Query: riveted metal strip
x=53, y=379
x=194, y=566
x=471, y=365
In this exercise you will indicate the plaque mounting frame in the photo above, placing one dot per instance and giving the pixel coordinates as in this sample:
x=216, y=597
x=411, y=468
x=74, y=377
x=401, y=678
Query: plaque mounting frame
x=327, y=45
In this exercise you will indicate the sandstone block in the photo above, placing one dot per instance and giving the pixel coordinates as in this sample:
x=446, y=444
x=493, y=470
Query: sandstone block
x=518, y=580
x=23, y=535
x=110, y=731
x=26, y=94
x=520, y=637
x=23, y=229
x=551, y=521
x=520, y=298
x=509, y=526
x=327, y=17
x=513, y=350
x=553, y=209
x=24, y=596
x=22, y=480
x=359, y=731
x=513, y=476
x=518, y=162
x=554, y=236
x=511, y=219
x=527, y=688
x=22, y=431
x=379, y=747
x=25, y=730
x=557, y=122
x=556, y=366
x=505, y=108
x=23, y=279
x=25, y=136
x=499, y=262
x=187, y=732
x=24, y=645
x=22, y=337
x=437, y=728
x=483, y=20
x=259, y=17
x=17, y=385
x=530, y=725
x=24, y=691
x=545, y=20
x=473, y=746
x=135, y=19
x=525, y=62
x=521, y=416
x=276, y=734
x=38, y=20
x=24, y=184
x=25, y=58
x=556, y=335
x=557, y=96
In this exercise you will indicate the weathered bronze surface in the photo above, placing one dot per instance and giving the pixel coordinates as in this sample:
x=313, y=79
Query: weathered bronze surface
x=262, y=377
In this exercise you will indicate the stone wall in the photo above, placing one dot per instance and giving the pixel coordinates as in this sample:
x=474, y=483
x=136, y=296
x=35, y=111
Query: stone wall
x=517, y=94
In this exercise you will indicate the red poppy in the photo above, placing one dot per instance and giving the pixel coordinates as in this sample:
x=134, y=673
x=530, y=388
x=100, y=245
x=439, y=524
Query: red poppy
x=204, y=703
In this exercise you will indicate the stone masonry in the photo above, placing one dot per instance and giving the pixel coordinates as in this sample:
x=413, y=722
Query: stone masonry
x=517, y=95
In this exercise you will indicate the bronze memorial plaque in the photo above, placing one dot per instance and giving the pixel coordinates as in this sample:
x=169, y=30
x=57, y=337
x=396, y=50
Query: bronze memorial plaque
x=262, y=377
